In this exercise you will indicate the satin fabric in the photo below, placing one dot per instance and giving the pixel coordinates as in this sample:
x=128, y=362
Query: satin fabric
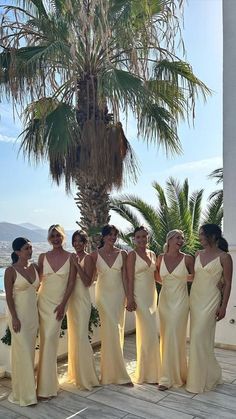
x=81, y=366
x=51, y=293
x=23, y=343
x=173, y=312
x=147, y=340
x=110, y=300
x=204, y=372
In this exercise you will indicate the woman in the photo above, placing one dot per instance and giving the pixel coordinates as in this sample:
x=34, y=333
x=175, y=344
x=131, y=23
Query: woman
x=110, y=300
x=207, y=306
x=175, y=268
x=21, y=283
x=142, y=297
x=57, y=273
x=81, y=367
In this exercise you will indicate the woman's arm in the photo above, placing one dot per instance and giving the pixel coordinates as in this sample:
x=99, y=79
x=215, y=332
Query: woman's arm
x=89, y=270
x=9, y=279
x=86, y=273
x=227, y=265
x=60, y=309
x=130, y=265
x=124, y=271
x=157, y=271
x=40, y=265
x=189, y=262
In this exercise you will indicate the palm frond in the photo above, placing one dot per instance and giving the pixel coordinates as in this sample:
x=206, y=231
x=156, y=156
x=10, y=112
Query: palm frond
x=217, y=174
x=214, y=211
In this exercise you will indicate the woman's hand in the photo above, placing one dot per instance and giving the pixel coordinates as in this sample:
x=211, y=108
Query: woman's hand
x=131, y=304
x=16, y=324
x=220, y=314
x=74, y=259
x=220, y=286
x=60, y=311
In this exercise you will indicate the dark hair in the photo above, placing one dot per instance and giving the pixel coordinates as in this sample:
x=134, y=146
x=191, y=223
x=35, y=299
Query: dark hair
x=140, y=228
x=17, y=244
x=106, y=230
x=82, y=235
x=213, y=233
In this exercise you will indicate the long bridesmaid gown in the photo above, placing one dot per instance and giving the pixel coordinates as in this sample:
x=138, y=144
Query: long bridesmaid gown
x=81, y=366
x=23, y=343
x=173, y=313
x=204, y=372
x=51, y=292
x=147, y=341
x=110, y=300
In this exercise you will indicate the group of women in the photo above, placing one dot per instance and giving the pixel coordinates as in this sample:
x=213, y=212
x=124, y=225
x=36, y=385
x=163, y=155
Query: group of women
x=121, y=281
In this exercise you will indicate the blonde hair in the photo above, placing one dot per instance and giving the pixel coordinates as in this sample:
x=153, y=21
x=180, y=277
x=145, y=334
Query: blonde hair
x=59, y=229
x=169, y=236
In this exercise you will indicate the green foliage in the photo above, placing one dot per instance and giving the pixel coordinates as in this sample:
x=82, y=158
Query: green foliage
x=217, y=175
x=66, y=63
x=176, y=208
x=7, y=337
x=94, y=320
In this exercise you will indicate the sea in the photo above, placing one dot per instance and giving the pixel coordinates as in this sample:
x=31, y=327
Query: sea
x=2, y=270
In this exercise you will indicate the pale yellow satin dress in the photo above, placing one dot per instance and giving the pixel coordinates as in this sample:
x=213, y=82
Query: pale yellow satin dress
x=173, y=310
x=204, y=372
x=147, y=340
x=51, y=293
x=23, y=343
x=81, y=366
x=110, y=300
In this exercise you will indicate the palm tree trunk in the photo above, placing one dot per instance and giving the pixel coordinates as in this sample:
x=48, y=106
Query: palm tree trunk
x=93, y=203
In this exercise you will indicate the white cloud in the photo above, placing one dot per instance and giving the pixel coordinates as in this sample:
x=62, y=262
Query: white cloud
x=197, y=165
x=39, y=210
x=7, y=139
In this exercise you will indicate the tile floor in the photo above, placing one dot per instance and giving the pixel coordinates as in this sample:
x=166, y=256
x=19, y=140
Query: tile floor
x=141, y=401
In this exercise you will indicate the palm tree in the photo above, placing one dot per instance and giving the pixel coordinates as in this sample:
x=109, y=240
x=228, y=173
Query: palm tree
x=217, y=174
x=176, y=209
x=214, y=212
x=73, y=66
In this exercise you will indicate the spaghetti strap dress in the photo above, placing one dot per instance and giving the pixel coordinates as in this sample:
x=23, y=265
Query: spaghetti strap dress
x=23, y=343
x=51, y=293
x=173, y=313
x=147, y=340
x=81, y=366
x=204, y=372
x=110, y=300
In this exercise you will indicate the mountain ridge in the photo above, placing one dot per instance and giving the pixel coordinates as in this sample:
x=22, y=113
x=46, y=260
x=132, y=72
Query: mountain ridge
x=9, y=231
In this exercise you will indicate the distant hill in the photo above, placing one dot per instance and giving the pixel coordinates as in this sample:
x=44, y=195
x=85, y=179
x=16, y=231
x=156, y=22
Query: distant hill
x=9, y=232
x=30, y=226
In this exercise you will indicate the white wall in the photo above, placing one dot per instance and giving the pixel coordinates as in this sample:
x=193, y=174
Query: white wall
x=226, y=329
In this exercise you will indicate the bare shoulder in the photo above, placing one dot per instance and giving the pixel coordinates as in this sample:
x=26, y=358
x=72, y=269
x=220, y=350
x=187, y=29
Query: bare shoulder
x=189, y=258
x=225, y=258
x=160, y=256
x=88, y=258
x=123, y=254
x=198, y=252
x=35, y=266
x=93, y=255
x=10, y=274
x=131, y=255
x=9, y=270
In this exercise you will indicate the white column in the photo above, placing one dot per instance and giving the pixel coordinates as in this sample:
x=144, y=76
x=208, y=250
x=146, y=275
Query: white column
x=226, y=330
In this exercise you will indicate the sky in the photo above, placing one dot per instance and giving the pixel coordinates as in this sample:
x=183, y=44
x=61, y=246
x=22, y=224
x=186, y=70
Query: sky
x=27, y=192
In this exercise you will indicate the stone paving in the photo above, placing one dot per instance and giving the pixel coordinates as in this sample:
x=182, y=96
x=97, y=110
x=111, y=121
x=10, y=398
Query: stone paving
x=141, y=401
